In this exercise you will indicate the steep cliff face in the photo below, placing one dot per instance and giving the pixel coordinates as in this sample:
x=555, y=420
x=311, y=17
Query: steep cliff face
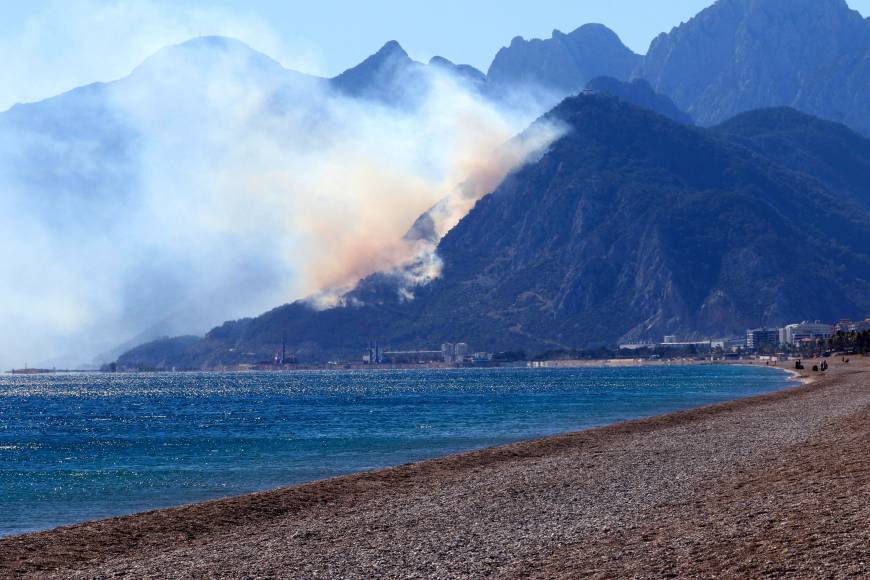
x=738, y=55
x=563, y=63
x=630, y=226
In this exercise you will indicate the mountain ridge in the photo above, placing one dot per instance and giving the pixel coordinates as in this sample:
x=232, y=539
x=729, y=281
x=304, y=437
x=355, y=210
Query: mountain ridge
x=794, y=68
x=564, y=63
x=630, y=226
x=739, y=55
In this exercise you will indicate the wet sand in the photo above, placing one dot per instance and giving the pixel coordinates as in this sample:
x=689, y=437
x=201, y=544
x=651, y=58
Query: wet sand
x=772, y=485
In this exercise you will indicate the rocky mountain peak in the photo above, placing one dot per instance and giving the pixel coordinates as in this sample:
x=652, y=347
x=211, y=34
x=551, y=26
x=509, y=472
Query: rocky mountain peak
x=563, y=63
x=384, y=76
x=391, y=49
x=739, y=55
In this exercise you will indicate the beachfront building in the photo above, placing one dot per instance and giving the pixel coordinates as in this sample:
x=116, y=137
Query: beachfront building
x=449, y=353
x=847, y=326
x=458, y=353
x=639, y=345
x=841, y=325
x=728, y=344
x=411, y=356
x=687, y=345
x=795, y=334
x=670, y=343
x=761, y=338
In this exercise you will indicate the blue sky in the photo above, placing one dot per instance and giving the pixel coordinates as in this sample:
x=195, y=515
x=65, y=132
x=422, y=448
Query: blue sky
x=54, y=45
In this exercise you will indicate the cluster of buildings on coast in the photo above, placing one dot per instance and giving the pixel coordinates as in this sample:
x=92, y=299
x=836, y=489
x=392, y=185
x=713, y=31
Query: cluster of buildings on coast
x=798, y=337
x=449, y=354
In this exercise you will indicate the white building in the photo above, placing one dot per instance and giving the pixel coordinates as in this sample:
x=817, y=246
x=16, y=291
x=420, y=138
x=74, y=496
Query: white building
x=794, y=333
x=763, y=337
x=728, y=344
x=636, y=345
x=847, y=326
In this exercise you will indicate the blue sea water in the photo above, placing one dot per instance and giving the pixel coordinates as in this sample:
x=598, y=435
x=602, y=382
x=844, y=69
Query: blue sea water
x=79, y=447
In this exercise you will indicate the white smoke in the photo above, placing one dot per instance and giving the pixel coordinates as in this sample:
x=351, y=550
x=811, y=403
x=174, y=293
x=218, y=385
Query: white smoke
x=241, y=186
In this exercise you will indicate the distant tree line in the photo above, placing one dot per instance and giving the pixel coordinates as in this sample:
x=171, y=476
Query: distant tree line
x=603, y=352
x=574, y=354
x=510, y=356
x=854, y=342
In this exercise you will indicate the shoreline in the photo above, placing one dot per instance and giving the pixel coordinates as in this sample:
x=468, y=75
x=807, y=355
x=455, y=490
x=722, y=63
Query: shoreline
x=101, y=546
x=776, y=382
x=355, y=367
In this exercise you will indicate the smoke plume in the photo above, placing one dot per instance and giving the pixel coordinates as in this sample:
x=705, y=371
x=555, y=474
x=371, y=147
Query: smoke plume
x=212, y=183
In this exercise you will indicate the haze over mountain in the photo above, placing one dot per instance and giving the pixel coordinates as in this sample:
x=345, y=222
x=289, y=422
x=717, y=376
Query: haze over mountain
x=211, y=183
x=630, y=226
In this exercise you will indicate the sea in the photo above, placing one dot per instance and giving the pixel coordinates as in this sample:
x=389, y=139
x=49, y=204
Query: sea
x=77, y=447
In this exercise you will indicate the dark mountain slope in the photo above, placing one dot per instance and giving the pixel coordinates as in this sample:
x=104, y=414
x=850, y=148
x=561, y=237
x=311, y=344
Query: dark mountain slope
x=163, y=353
x=739, y=55
x=631, y=225
x=639, y=93
x=831, y=152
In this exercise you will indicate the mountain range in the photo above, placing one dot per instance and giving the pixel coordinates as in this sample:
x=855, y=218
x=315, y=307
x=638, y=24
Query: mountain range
x=635, y=223
x=733, y=57
x=564, y=63
x=632, y=225
x=739, y=55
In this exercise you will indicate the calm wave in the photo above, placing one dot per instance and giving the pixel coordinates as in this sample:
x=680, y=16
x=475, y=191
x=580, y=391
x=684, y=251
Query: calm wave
x=78, y=447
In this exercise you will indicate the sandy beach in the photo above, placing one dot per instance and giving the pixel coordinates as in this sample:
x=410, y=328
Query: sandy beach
x=772, y=485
